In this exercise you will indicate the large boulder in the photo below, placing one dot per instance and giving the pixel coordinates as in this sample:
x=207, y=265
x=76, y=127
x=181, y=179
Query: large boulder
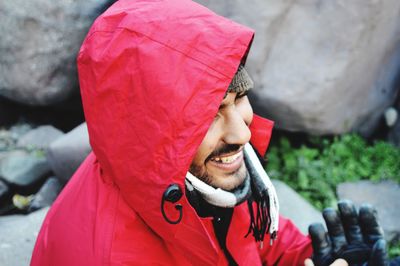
x=321, y=66
x=67, y=152
x=38, y=46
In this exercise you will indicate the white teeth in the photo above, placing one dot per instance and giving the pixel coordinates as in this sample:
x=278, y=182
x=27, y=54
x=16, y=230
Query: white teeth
x=228, y=159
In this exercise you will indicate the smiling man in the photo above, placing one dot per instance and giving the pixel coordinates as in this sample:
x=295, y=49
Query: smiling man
x=172, y=171
x=174, y=177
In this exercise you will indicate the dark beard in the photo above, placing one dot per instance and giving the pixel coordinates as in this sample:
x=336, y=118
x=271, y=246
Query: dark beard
x=202, y=175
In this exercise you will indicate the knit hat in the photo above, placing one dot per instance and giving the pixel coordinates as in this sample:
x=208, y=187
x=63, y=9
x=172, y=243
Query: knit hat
x=241, y=81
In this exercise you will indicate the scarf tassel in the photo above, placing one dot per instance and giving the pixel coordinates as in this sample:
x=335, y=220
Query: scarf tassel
x=261, y=222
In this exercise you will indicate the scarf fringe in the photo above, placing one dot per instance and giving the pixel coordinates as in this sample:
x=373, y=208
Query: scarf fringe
x=267, y=207
x=261, y=223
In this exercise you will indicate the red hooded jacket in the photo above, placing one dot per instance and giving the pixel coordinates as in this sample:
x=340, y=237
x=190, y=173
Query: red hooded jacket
x=153, y=74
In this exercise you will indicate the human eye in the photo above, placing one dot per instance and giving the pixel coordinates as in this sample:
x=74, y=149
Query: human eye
x=217, y=117
x=241, y=95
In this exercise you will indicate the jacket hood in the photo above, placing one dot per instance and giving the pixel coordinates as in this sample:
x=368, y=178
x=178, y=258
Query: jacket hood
x=152, y=76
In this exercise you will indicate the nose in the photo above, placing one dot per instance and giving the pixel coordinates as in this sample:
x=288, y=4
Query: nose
x=236, y=129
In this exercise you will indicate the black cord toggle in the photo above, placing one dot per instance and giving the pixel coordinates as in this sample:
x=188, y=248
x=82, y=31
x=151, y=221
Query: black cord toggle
x=172, y=194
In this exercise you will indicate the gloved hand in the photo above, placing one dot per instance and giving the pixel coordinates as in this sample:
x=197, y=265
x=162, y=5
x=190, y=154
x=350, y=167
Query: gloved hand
x=355, y=237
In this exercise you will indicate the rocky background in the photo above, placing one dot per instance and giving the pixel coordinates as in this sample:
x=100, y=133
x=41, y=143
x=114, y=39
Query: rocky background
x=321, y=68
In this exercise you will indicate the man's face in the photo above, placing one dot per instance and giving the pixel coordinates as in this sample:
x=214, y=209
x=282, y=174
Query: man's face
x=219, y=160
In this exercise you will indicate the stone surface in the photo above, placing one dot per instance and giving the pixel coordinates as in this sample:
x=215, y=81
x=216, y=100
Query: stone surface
x=294, y=207
x=23, y=168
x=17, y=237
x=67, y=152
x=40, y=137
x=38, y=48
x=385, y=196
x=6, y=140
x=18, y=130
x=321, y=66
x=46, y=195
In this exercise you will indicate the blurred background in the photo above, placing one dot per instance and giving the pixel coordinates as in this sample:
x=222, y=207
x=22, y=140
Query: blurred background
x=327, y=73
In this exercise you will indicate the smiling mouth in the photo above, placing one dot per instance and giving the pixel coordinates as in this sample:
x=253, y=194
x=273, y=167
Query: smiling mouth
x=227, y=159
x=229, y=163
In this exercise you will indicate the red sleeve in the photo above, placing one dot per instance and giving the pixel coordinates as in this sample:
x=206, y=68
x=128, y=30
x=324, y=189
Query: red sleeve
x=290, y=248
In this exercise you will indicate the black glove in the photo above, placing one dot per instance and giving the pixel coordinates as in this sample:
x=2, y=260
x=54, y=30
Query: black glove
x=354, y=237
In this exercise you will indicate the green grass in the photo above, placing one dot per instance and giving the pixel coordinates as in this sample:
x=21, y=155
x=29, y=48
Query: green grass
x=394, y=249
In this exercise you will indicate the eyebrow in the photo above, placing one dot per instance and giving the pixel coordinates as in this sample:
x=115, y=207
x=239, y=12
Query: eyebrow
x=241, y=94
x=238, y=95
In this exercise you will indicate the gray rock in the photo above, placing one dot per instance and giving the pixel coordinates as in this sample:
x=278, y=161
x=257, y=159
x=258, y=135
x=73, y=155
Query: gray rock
x=384, y=196
x=39, y=44
x=4, y=192
x=40, y=137
x=18, y=236
x=321, y=66
x=23, y=168
x=6, y=141
x=46, y=195
x=296, y=208
x=18, y=130
x=67, y=152
x=391, y=115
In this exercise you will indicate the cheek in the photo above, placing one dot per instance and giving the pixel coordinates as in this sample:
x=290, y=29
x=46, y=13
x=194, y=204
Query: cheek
x=246, y=111
x=208, y=145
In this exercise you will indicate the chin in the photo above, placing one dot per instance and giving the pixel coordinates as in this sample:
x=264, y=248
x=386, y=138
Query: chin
x=231, y=181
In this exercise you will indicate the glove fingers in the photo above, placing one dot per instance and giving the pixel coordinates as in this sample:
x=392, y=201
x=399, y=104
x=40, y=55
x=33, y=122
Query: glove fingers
x=321, y=245
x=335, y=229
x=370, y=228
x=320, y=240
x=379, y=256
x=349, y=217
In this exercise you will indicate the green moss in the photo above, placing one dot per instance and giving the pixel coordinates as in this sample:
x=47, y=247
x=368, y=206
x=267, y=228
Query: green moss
x=394, y=249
